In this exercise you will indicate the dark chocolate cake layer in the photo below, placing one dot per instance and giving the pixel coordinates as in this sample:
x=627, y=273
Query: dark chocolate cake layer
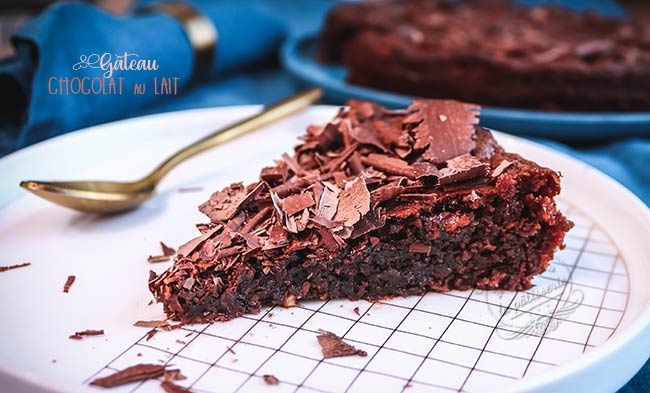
x=493, y=52
x=375, y=203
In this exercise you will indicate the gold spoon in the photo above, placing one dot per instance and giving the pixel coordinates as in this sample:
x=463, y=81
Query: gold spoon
x=112, y=197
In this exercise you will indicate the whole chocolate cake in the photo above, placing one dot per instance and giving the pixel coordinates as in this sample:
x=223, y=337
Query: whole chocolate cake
x=374, y=203
x=493, y=52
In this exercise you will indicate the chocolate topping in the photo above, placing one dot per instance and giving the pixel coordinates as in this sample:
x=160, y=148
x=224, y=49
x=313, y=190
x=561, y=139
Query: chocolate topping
x=462, y=168
x=5, y=268
x=298, y=202
x=344, y=182
x=500, y=168
x=354, y=202
x=444, y=129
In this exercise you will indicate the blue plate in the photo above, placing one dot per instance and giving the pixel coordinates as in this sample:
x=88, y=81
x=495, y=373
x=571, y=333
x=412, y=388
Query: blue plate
x=298, y=58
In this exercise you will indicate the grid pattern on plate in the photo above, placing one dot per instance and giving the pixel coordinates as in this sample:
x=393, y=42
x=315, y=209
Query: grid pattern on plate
x=456, y=341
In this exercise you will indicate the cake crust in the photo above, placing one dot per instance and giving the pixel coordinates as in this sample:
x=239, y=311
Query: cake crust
x=375, y=203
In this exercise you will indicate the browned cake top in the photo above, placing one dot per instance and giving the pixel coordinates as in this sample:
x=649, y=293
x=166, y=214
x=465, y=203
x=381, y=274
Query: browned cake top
x=501, y=31
x=343, y=181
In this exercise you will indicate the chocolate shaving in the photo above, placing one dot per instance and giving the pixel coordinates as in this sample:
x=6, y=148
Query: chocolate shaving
x=503, y=165
x=354, y=202
x=174, y=375
x=150, y=324
x=171, y=387
x=336, y=163
x=328, y=239
x=270, y=379
x=87, y=332
x=328, y=135
x=169, y=328
x=297, y=202
x=443, y=129
x=396, y=166
x=256, y=220
x=328, y=203
x=151, y=333
x=355, y=164
x=292, y=164
x=166, y=250
x=333, y=346
x=386, y=193
x=140, y=372
x=590, y=49
x=424, y=169
x=367, y=135
x=224, y=204
x=191, y=246
x=374, y=220
x=68, y=283
x=391, y=165
x=157, y=258
x=462, y=168
x=5, y=268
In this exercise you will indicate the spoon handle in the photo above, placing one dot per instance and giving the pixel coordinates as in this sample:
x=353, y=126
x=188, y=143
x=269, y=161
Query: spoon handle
x=270, y=114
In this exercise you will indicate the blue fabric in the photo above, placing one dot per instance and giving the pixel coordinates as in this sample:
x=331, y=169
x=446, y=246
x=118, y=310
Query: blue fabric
x=250, y=31
x=67, y=31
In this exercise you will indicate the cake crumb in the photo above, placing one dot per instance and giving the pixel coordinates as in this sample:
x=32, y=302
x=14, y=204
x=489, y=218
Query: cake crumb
x=271, y=379
x=68, y=283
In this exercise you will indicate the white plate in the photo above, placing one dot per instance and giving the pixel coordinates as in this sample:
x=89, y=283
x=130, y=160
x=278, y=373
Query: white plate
x=597, y=290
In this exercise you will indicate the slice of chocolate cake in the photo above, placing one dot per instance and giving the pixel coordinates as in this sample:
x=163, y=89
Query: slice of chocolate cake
x=375, y=203
x=493, y=52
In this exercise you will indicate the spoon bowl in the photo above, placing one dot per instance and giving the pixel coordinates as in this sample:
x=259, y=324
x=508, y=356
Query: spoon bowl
x=91, y=196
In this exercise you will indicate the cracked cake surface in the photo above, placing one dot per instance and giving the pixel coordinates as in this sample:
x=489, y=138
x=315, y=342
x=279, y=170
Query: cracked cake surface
x=375, y=203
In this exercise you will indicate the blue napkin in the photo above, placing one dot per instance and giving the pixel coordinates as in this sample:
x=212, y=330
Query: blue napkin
x=61, y=42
